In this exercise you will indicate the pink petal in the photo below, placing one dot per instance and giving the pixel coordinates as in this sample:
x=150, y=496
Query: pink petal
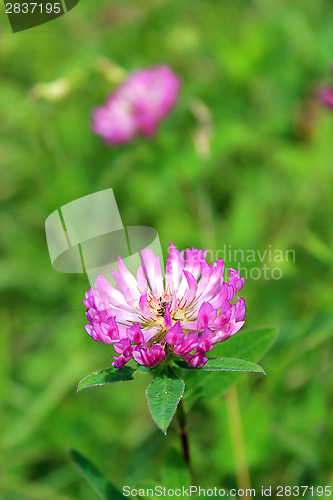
x=206, y=315
x=240, y=310
x=192, y=287
x=167, y=318
x=125, y=279
x=199, y=359
x=205, y=340
x=175, y=335
x=174, y=303
x=152, y=268
x=134, y=334
x=132, y=303
x=143, y=305
x=188, y=344
x=174, y=268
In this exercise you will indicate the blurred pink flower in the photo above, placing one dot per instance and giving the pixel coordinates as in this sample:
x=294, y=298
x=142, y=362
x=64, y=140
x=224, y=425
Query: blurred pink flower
x=147, y=317
x=325, y=95
x=137, y=105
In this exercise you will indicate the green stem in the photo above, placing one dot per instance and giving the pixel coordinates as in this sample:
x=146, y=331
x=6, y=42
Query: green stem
x=206, y=221
x=182, y=428
x=237, y=439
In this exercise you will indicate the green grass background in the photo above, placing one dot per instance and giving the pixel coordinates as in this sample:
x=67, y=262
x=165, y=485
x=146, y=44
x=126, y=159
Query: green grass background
x=253, y=66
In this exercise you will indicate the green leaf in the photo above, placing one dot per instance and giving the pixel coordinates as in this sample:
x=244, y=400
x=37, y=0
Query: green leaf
x=108, y=376
x=163, y=395
x=249, y=345
x=231, y=365
x=144, y=369
x=226, y=364
x=102, y=486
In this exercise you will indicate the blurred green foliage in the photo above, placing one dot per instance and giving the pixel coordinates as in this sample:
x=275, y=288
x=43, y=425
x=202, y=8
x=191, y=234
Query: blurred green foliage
x=244, y=160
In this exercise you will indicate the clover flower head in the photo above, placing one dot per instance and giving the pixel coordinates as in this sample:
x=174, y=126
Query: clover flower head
x=137, y=105
x=147, y=318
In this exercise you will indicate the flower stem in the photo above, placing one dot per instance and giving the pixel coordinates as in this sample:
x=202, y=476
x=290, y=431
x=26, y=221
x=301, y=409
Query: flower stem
x=182, y=427
x=237, y=439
